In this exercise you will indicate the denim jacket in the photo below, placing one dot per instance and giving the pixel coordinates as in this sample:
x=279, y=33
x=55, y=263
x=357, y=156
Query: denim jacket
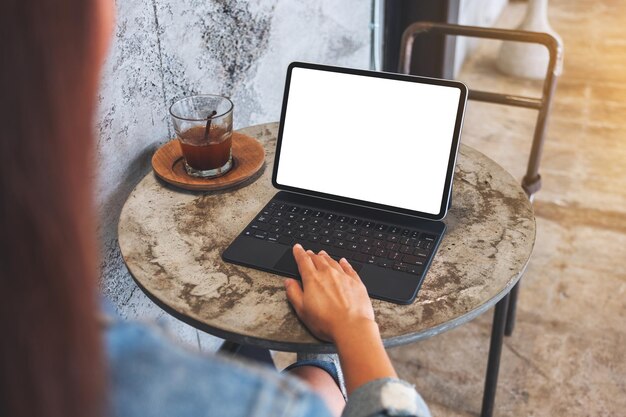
x=150, y=376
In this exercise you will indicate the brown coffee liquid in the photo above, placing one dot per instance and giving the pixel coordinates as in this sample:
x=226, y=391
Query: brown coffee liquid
x=207, y=154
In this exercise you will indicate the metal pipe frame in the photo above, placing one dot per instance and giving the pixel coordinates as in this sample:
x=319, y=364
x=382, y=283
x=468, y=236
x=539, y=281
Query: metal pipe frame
x=532, y=180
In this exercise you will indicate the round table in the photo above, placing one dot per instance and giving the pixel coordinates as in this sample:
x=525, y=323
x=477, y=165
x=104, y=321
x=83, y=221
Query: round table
x=172, y=241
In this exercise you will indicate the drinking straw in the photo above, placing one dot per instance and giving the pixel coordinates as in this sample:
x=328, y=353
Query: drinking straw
x=208, y=124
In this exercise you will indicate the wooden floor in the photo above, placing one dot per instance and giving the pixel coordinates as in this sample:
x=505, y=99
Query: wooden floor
x=567, y=356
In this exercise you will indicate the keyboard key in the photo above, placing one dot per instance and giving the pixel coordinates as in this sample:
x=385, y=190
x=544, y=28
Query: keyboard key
x=273, y=237
x=415, y=234
x=405, y=249
x=420, y=253
x=404, y=240
x=406, y=232
x=356, y=222
x=351, y=238
x=276, y=221
x=413, y=260
x=353, y=230
x=327, y=224
x=339, y=235
x=318, y=213
x=315, y=238
x=395, y=230
x=426, y=244
x=248, y=232
x=394, y=256
x=365, y=240
x=381, y=227
x=379, y=235
x=331, y=216
x=393, y=246
x=283, y=207
x=366, y=232
x=259, y=234
x=275, y=229
x=293, y=209
x=429, y=238
x=379, y=244
x=341, y=226
x=393, y=238
x=338, y=253
x=306, y=212
x=302, y=227
x=314, y=246
x=341, y=244
x=381, y=252
x=262, y=218
x=369, y=225
x=325, y=232
x=327, y=241
x=291, y=216
x=279, y=214
x=259, y=226
x=353, y=247
x=315, y=221
x=267, y=212
x=343, y=219
x=400, y=267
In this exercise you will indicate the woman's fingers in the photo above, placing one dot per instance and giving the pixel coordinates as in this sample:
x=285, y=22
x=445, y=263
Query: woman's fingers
x=319, y=261
x=330, y=261
x=305, y=264
x=294, y=295
x=347, y=268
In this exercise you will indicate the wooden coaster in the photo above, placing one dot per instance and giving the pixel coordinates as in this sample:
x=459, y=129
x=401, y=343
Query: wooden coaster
x=248, y=158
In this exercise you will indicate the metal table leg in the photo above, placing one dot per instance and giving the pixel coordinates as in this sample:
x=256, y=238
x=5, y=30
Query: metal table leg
x=495, y=349
x=229, y=347
x=246, y=351
x=510, y=315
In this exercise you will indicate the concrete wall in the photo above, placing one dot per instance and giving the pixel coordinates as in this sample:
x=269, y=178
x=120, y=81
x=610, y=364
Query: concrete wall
x=165, y=49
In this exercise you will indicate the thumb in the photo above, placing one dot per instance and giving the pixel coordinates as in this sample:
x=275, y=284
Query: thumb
x=294, y=294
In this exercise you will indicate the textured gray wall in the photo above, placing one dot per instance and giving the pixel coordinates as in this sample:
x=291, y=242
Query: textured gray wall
x=165, y=49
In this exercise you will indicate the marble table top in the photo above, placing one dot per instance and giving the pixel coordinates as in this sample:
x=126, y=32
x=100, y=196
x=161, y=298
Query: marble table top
x=172, y=241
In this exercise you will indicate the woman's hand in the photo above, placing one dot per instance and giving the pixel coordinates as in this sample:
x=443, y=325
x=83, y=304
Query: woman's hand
x=333, y=299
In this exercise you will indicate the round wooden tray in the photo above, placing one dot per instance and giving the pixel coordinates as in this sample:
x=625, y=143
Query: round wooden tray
x=248, y=158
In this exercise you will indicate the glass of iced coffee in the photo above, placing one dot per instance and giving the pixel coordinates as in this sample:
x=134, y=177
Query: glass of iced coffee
x=204, y=127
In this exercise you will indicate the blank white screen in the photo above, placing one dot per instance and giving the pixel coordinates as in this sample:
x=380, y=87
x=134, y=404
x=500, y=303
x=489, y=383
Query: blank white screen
x=372, y=139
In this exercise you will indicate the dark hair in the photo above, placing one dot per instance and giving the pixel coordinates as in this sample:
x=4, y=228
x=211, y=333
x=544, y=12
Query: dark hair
x=50, y=349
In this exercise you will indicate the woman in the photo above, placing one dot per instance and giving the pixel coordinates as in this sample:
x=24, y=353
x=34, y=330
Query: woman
x=57, y=357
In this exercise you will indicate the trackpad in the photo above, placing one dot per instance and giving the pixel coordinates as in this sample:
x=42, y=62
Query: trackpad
x=287, y=265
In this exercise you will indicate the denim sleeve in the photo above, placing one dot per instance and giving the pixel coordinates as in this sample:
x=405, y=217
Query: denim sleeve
x=386, y=397
x=150, y=376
